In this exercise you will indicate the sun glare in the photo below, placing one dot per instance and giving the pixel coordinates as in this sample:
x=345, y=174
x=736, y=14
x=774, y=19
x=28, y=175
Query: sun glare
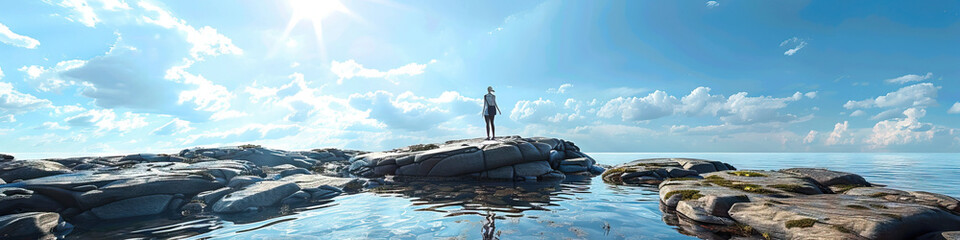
x=314, y=11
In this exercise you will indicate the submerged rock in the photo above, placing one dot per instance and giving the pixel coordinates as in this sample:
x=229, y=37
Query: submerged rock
x=33, y=225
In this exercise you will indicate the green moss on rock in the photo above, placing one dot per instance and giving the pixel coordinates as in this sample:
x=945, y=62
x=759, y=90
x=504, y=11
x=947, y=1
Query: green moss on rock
x=747, y=174
x=788, y=187
x=685, y=194
x=801, y=223
x=423, y=147
x=846, y=187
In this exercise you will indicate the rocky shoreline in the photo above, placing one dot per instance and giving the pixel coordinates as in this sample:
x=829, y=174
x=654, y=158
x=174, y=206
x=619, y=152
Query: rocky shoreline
x=714, y=200
x=49, y=198
x=46, y=198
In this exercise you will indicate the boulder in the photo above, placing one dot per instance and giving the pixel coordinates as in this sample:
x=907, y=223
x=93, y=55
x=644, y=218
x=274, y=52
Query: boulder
x=260, y=194
x=30, y=169
x=310, y=181
x=243, y=181
x=655, y=170
x=501, y=155
x=133, y=207
x=212, y=196
x=829, y=177
x=33, y=225
x=460, y=164
x=323, y=192
x=838, y=216
x=5, y=157
x=13, y=200
x=297, y=198
x=257, y=155
x=532, y=169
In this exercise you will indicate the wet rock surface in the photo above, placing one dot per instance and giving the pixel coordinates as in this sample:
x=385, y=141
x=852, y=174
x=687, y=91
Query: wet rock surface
x=506, y=158
x=798, y=203
x=656, y=170
x=39, y=197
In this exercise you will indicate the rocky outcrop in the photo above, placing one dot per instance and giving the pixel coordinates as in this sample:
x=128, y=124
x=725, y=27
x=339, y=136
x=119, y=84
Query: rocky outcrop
x=33, y=225
x=29, y=169
x=799, y=203
x=656, y=170
x=508, y=158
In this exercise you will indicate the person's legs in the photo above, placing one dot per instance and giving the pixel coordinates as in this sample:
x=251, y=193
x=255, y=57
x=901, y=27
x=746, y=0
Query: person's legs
x=493, y=128
x=487, y=122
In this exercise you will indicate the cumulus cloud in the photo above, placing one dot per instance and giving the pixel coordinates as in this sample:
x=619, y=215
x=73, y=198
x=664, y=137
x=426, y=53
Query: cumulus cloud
x=902, y=130
x=796, y=42
x=840, y=135
x=410, y=112
x=560, y=90
x=737, y=109
x=655, y=105
x=811, y=94
x=910, y=78
x=107, y=120
x=955, y=109
x=13, y=39
x=15, y=102
x=535, y=111
x=49, y=79
x=251, y=132
x=917, y=95
x=175, y=126
x=350, y=69
x=811, y=136
x=712, y=4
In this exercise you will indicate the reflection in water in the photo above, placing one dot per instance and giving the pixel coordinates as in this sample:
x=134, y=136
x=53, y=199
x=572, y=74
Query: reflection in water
x=462, y=198
x=489, y=230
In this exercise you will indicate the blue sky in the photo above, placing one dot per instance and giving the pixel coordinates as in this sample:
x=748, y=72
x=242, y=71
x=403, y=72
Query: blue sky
x=82, y=77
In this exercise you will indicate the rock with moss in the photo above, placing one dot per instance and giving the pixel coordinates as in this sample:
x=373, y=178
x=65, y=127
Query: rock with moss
x=656, y=170
x=718, y=191
x=919, y=197
x=829, y=216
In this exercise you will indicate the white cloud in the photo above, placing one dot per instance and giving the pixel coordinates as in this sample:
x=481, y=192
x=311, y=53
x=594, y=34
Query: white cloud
x=14, y=102
x=350, y=69
x=811, y=136
x=83, y=12
x=535, y=111
x=227, y=114
x=53, y=126
x=207, y=96
x=251, y=132
x=799, y=44
x=407, y=111
x=840, y=135
x=205, y=41
x=175, y=126
x=107, y=120
x=13, y=39
x=955, y=109
x=737, y=109
x=858, y=113
x=560, y=90
x=903, y=130
x=9, y=118
x=917, y=95
x=49, y=79
x=910, y=78
x=811, y=94
x=655, y=105
x=712, y=4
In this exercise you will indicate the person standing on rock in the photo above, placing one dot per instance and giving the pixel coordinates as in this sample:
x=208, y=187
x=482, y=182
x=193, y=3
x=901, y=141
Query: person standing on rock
x=490, y=110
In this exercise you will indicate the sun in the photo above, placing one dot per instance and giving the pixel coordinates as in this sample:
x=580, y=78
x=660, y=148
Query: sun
x=315, y=12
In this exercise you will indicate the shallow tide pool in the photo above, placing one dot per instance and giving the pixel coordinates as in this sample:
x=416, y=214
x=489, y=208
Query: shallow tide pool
x=577, y=208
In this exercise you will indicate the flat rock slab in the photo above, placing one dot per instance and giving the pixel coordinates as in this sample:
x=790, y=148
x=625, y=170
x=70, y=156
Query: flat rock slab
x=837, y=216
x=30, y=169
x=829, y=177
x=707, y=200
x=655, y=170
x=919, y=197
x=260, y=194
x=31, y=225
x=133, y=207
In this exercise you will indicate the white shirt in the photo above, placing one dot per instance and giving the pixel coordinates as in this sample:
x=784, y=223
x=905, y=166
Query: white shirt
x=489, y=100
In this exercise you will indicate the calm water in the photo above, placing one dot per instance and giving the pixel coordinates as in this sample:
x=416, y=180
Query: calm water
x=574, y=209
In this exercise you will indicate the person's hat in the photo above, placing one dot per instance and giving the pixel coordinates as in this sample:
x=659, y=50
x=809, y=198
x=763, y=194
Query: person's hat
x=490, y=88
